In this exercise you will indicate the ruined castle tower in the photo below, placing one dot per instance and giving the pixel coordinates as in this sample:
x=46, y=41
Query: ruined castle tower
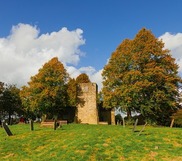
x=87, y=103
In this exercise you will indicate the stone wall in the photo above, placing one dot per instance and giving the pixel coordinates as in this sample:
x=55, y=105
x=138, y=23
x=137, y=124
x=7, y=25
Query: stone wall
x=87, y=112
x=107, y=115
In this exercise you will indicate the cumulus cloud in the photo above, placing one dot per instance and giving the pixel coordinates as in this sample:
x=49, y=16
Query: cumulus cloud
x=173, y=42
x=95, y=76
x=24, y=51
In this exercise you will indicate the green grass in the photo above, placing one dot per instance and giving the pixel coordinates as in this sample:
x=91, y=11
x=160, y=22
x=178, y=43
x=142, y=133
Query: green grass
x=91, y=143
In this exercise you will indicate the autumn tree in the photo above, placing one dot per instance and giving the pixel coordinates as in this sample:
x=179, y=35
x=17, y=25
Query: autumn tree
x=177, y=116
x=82, y=78
x=47, y=90
x=72, y=92
x=142, y=76
x=72, y=88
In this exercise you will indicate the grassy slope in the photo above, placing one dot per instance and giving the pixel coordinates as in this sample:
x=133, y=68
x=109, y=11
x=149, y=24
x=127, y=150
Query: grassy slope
x=90, y=142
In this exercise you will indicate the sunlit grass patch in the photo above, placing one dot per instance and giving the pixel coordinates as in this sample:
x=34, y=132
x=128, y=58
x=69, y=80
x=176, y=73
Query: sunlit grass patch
x=90, y=143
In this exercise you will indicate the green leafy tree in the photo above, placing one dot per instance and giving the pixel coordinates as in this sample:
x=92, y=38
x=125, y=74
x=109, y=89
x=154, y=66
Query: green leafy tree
x=142, y=76
x=10, y=100
x=1, y=87
x=1, y=94
x=46, y=93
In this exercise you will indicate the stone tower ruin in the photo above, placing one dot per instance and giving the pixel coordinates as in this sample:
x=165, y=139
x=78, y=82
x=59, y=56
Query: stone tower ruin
x=87, y=112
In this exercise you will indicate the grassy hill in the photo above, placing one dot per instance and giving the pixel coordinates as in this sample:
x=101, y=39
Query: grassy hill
x=91, y=143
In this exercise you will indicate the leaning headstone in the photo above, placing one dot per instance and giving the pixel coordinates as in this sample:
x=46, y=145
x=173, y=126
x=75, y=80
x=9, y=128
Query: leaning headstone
x=136, y=122
x=172, y=123
x=142, y=129
x=123, y=122
x=6, y=128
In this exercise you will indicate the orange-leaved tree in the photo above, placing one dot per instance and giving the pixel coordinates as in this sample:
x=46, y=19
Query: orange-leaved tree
x=142, y=76
x=83, y=78
x=72, y=92
x=72, y=88
x=178, y=117
x=46, y=93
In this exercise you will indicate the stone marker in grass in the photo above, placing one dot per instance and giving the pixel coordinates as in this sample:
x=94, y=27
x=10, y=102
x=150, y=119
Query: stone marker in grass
x=123, y=122
x=31, y=125
x=142, y=129
x=136, y=122
x=6, y=128
x=172, y=123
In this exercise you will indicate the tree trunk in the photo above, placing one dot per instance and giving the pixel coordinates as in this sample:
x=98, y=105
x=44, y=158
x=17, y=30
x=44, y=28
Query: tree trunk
x=129, y=114
x=9, y=118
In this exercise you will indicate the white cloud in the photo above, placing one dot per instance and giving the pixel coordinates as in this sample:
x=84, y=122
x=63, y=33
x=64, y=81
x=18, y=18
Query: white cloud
x=173, y=42
x=89, y=70
x=24, y=51
x=95, y=76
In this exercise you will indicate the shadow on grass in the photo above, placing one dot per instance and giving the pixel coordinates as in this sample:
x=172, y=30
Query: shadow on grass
x=144, y=134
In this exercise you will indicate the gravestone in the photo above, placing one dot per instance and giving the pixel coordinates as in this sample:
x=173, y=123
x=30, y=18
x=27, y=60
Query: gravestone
x=136, y=122
x=142, y=129
x=123, y=122
x=172, y=123
x=6, y=128
x=31, y=125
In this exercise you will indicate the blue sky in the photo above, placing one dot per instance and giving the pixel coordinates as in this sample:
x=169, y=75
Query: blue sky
x=102, y=24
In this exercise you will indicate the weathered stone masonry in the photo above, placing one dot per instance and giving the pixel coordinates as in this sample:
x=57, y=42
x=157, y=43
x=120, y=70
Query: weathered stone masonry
x=87, y=111
x=87, y=107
